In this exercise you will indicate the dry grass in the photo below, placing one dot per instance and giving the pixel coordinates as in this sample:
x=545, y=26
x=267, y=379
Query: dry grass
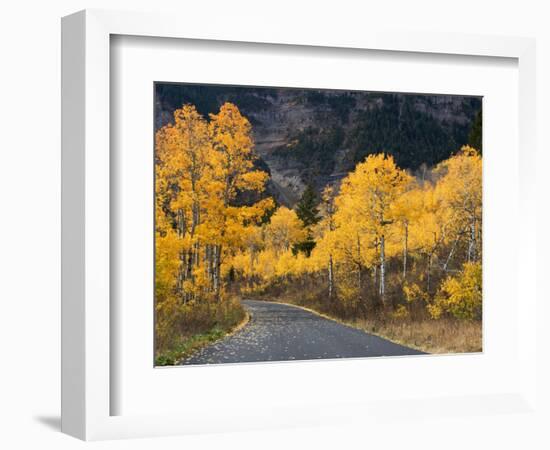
x=445, y=335
x=428, y=335
x=196, y=325
x=418, y=331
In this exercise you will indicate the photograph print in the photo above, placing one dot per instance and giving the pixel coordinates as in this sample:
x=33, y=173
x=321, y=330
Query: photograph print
x=297, y=224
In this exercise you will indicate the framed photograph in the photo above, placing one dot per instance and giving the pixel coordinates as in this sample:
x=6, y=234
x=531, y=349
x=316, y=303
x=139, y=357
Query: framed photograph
x=298, y=224
x=293, y=214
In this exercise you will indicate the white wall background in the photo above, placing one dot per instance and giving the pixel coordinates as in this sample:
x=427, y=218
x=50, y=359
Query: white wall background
x=30, y=195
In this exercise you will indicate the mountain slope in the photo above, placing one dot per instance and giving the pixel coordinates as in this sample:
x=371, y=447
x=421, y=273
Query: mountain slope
x=311, y=136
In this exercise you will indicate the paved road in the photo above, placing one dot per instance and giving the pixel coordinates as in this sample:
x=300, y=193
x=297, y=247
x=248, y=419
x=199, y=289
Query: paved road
x=280, y=332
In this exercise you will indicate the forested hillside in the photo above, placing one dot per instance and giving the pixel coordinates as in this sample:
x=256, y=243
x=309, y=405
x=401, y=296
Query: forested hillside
x=314, y=137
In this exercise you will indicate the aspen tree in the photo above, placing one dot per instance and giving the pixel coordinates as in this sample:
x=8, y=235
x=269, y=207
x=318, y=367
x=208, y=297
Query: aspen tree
x=182, y=152
x=328, y=224
x=372, y=188
x=233, y=171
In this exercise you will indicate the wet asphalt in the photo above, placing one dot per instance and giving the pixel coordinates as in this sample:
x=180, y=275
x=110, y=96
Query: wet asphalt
x=281, y=332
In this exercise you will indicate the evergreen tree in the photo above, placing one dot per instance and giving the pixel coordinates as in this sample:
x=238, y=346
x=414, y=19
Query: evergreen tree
x=476, y=133
x=306, y=209
x=308, y=212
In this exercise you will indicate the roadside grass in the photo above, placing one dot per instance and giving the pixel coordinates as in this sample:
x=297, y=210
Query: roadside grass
x=200, y=326
x=187, y=346
x=427, y=335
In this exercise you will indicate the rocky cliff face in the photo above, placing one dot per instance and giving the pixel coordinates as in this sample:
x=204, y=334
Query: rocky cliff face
x=306, y=136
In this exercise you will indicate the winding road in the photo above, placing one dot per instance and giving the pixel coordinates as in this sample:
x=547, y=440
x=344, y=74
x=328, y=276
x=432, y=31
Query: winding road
x=281, y=332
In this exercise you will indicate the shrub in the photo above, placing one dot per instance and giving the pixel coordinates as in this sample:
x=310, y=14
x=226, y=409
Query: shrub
x=460, y=296
x=180, y=328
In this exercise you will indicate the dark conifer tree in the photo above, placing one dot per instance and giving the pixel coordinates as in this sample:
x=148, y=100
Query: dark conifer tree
x=308, y=212
x=475, y=137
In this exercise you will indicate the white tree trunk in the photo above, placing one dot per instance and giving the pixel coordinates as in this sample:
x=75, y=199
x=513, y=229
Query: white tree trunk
x=451, y=253
x=330, y=277
x=405, y=250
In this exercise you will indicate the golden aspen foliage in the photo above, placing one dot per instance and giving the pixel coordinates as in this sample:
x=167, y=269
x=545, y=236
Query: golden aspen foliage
x=386, y=242
x=368, y=193
x=167, y=262
x=201, y=166
x=427, y=231
x=283, y=230
x=460, y=191
x=233, y=159
x=406, y=211
x=381, y=227
x=461, y=295
x=414, y=293
x=232, y=172
x=366, y=208
x=183, y=150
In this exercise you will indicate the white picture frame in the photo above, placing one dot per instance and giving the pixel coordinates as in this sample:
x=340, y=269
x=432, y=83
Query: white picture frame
x=86, y=326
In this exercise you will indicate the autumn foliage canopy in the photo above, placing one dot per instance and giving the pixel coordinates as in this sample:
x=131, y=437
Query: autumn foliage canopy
x=382, y=241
